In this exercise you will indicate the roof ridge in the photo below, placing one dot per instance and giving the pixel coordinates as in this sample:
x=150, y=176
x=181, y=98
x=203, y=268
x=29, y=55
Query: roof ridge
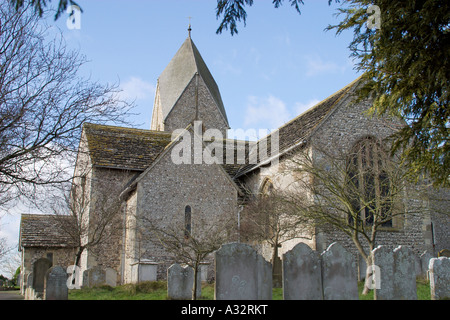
x=340, y=91
x=88, y=124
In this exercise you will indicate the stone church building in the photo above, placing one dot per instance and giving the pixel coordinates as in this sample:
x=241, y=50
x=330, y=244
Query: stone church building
x=130, y=176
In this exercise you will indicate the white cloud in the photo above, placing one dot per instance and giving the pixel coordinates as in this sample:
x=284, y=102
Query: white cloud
x=315, y=65
x=269, y=112
x=138, y=89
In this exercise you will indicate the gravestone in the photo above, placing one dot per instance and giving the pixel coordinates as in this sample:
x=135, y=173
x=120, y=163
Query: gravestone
x=144, y=270
x=111, y=277
x=55, y=284
x=242, y=274
x=94, y=276
x=362, y=268
x=424, y=263
x=29, y=292
x=339, y=278
x=180, y=281
x=440, y=278
x=204, y=266
x=418, y=265
x=302, y=274
x=40, y=268
x=404, y=274
x=383, y=258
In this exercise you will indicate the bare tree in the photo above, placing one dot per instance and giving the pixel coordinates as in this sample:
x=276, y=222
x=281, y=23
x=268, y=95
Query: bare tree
x=86, y=220
x=358, y=193
x=273, y=219
x=188, y=245
x=43, y=104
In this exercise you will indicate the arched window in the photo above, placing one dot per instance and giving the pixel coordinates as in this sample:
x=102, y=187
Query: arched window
x=187, y=221
x=266, y=187
x=368, y=183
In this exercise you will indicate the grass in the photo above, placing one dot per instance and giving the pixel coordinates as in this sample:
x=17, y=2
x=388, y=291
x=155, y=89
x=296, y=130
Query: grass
x=157, y=290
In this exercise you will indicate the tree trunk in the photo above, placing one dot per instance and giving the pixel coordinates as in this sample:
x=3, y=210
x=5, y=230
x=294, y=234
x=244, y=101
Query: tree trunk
x=369, y=275
x=194, y=286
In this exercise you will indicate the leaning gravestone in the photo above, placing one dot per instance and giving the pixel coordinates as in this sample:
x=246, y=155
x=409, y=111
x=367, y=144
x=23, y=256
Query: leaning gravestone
x=40, y=268
x=55, y=284
x=404, y=274
x=302, y=277
x=339, y=279
x=440, y=278
x=383, y=258
x=180, y=282
x=242, y=274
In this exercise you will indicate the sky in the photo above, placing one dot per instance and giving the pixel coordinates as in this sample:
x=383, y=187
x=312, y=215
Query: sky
x=277, y=66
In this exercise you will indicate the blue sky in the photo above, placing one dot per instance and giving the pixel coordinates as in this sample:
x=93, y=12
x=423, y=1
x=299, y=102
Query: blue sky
x=275, y=68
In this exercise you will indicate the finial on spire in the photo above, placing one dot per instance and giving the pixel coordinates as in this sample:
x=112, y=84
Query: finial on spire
x=189, y=29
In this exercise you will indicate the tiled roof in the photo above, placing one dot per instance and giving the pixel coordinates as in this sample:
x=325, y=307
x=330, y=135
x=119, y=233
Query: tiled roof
x=124, y=148
x=38, y=230
x=300, y=128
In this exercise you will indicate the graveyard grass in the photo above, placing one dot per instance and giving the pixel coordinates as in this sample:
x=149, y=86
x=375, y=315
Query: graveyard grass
x=157, y=290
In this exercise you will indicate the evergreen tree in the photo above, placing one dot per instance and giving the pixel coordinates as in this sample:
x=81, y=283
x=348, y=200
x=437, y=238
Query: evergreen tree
x=405, y=60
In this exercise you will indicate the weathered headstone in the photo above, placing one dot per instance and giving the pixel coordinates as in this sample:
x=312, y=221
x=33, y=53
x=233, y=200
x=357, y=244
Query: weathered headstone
x=40, y=268
x=339, y=279
x=144, y=270
x=94, y=276
x=418, y=265
x=362, y=268
x=404, y=274
x=29, y=292
x=180, y=281
x=302, y=274
x=242, y=274
x=204, y=266
x=424, y=263
x=440, y=278
x=111, y=277
x=383, y=258
x=55, y=284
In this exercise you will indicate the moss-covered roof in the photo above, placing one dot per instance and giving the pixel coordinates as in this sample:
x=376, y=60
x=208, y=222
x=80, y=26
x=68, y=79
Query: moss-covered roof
x=301, y=127
x=39, y=230
x=124, y=148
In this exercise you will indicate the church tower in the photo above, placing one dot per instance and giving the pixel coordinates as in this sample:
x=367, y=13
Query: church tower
x=186, y=91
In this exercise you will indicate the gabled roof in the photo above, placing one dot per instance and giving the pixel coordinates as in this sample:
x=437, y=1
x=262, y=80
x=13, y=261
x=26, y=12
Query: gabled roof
x=179, y=73
x=298, y=130
x=39, y=230
x=124, y=148
x=229, y=170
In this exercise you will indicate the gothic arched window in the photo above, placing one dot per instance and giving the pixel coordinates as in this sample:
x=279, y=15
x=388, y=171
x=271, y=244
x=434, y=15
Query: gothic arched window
x=266, y=187
x=187, y=221
x=368, y=183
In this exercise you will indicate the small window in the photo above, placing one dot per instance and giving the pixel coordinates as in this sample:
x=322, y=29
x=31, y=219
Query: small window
x=187, y=221
x=50, y=257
